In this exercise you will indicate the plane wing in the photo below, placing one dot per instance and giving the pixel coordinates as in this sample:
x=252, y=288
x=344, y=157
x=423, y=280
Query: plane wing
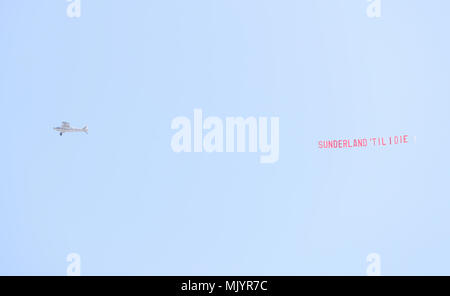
x=65, y=124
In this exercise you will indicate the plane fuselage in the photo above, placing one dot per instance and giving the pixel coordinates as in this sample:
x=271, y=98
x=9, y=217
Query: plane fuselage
x=69, y=130
x=66, y=128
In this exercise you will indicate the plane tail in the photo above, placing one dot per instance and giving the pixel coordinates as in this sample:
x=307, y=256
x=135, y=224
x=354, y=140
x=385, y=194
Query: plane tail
x=85, y=129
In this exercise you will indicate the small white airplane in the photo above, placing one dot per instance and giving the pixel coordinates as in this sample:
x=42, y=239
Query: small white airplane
x=65, y=128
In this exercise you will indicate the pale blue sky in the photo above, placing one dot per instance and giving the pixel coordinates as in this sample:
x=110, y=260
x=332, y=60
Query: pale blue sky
x=128, y=205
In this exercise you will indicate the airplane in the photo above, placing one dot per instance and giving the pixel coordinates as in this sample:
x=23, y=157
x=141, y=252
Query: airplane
x=65, y=128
